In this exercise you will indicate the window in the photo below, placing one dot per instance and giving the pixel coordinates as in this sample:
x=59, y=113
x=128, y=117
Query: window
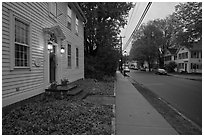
x=183, y=55
x=167, y=58
x=69, y=55
x=175, y=57
x=196, y=66
x=186, y=55
x=77, y=25
x=181, y=65
x=69, y=17
x=195, y=54
x=53, y=9
x=21, y=49
x=77, y=57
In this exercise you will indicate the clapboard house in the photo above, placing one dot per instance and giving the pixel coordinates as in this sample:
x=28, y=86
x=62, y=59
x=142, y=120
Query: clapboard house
x=41, y=43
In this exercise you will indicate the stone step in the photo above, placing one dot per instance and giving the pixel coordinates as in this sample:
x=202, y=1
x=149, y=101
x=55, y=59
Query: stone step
x=61, y=88
x=74, y=91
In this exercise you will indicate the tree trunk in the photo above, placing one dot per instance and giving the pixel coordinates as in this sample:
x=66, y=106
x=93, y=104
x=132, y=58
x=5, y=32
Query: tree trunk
x=149, y=65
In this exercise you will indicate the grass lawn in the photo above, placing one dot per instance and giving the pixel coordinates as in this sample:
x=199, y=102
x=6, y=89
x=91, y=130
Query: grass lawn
x=46, y=116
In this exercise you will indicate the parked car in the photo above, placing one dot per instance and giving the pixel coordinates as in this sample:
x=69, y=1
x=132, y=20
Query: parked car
x=135, y=68
x=142, y=69
x=126, y=69
x=161, y=71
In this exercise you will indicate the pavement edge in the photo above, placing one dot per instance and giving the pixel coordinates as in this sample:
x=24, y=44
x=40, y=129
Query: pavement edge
x=113, y=109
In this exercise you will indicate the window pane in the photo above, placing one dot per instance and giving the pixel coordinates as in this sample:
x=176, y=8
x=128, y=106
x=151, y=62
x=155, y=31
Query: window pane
x=21, y=55
x=77, y=57
x=77, y=25
x=69, y=55
x=21, y=32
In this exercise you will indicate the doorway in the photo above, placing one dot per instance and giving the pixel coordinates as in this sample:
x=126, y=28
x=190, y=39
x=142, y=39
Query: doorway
x=53, y=64
x=185, y=67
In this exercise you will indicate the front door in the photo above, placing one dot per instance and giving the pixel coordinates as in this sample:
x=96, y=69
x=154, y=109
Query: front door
x=185, y=67
x=53, y=65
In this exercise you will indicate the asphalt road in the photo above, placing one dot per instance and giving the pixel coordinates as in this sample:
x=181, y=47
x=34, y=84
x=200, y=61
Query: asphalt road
x=184, y=95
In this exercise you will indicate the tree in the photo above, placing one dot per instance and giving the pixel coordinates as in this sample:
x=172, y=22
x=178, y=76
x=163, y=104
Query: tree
x=189, y=27
x=146, y=45
x=104, y=20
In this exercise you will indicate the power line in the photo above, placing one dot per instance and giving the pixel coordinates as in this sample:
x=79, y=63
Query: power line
x=138, y=24
x=136, y=6
x=130, y=18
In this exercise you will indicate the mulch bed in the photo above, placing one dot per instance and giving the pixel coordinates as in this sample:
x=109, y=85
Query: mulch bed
x=49, y=116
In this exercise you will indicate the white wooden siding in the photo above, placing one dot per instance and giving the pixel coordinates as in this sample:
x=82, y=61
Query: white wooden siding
x=32, y=82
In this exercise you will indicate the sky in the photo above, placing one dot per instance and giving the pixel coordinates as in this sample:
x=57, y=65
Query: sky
x=157, y=10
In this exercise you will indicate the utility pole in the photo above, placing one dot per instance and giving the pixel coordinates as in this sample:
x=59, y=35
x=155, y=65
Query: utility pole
x=121, y=53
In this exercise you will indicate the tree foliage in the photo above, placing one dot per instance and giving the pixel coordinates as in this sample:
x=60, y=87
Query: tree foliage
x=182, y=28
x=147, y=43
x=104, y=20
x=189, y=27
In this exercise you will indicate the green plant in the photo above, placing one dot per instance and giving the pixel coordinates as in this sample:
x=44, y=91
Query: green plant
x=53, y=85
x=171, y=66
x=64, y=82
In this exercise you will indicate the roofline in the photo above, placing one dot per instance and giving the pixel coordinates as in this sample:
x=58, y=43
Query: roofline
x=80, y=11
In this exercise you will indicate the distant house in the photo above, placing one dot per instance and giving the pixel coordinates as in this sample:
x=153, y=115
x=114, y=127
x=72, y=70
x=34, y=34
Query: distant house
x=41, y=43
x=169, y=55
x=190, y=59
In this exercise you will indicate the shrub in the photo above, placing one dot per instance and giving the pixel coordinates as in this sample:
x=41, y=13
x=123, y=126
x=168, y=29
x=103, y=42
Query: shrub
x=104, y=63
x=64, y=82
x=171, y=66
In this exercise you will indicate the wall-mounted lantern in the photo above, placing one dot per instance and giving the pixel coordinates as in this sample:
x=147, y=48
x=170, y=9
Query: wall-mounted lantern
x=49, y=46
x=62, y=49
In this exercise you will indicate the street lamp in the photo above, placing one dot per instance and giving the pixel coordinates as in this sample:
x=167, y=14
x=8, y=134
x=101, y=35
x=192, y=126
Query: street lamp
x=125, y=55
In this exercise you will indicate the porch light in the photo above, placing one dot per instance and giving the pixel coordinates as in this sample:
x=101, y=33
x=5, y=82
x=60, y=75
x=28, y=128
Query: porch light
x=49, y=46
x=62, y=50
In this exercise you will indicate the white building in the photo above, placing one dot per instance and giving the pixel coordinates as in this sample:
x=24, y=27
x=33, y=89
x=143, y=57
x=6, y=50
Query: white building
x=187, y=59
x=29, y=65
x=190, y=59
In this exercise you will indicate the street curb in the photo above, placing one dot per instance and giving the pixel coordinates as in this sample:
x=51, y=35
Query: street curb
x=113, y=121
x=186, y=78
x=114, y=90
x=113, y=109
x=183, y=116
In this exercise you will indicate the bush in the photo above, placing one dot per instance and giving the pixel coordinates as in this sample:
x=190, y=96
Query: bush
x=171, y=66
x=103, y=64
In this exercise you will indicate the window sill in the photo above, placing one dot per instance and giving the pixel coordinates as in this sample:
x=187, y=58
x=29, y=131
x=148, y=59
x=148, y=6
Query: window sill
x=69, y=67
x=21, y=68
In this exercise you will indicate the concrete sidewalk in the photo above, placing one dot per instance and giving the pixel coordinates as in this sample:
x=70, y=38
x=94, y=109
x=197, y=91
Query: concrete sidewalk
x=134, y=115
